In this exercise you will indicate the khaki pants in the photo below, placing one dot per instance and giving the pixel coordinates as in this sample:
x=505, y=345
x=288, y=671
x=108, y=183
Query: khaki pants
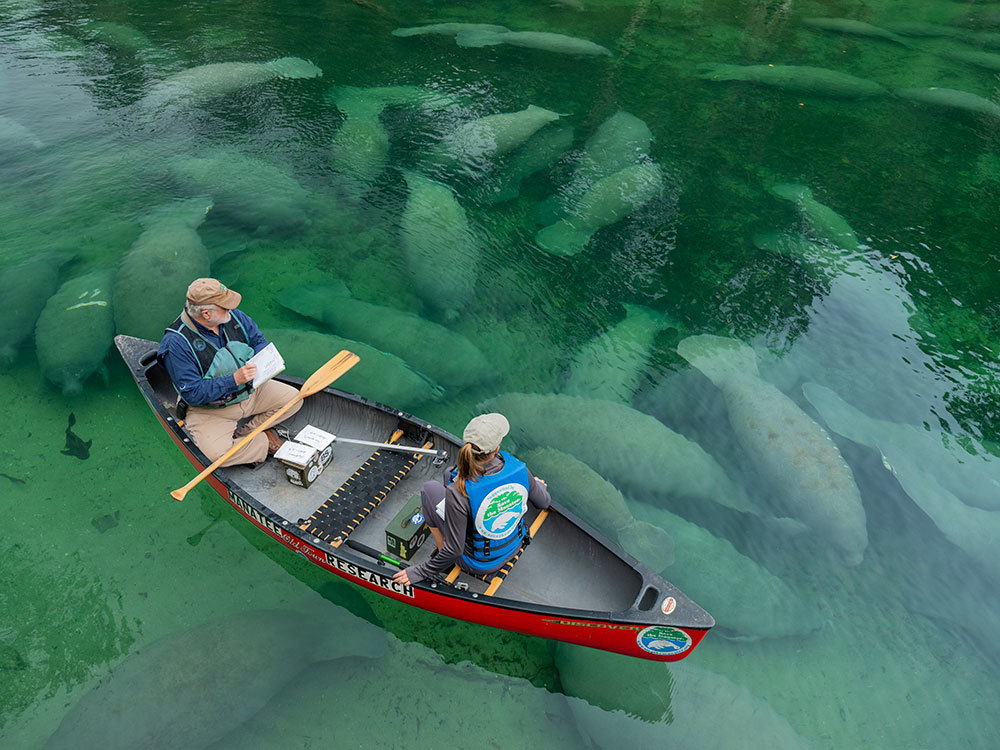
x=212, y=429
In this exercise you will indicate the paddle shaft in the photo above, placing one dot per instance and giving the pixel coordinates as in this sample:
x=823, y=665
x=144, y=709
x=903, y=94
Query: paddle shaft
x=319, y=380
x=392, y=447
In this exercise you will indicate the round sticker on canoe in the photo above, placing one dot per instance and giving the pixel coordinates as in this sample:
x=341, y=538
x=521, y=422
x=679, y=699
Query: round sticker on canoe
x=663, y=641
x=501, y=510
x=669, y=605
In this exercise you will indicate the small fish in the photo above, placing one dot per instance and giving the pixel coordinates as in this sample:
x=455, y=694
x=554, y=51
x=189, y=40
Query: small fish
x=74, y=445
x=15, y=480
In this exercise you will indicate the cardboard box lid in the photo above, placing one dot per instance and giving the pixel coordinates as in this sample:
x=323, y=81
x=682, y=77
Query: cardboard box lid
x=314, y=436
x=297, y=454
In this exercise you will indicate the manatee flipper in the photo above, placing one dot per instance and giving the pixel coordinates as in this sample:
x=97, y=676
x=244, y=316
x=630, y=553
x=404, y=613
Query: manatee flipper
x=839, y=415
x=478, y=38
x=647, y=543
x=310, y=300
x=293, y=67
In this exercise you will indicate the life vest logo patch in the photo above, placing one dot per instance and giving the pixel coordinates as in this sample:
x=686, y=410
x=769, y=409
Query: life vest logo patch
x=663, y=640
x=198, y=344
x=501, y=510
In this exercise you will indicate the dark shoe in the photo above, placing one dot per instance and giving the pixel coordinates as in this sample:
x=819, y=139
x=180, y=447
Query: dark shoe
x=273, y=442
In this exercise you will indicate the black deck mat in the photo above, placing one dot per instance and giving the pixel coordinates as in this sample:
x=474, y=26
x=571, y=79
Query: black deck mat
x=362, y=493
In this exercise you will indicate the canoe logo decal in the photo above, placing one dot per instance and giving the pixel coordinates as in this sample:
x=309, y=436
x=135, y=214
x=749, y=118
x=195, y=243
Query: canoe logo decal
x=501, y=510
x=663, y=641
x=669, y=605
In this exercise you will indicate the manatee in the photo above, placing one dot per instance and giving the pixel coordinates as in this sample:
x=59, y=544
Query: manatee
x=952, y=99
x=24, y=288
x=448, y=29
x=443, y=355
x=960, y=465
x=15, y=138
x=82, y=306
x=440, y=248
x=976, y=58
x=124, y=38
x=206, y=82
x=922, y=29
x=633, y=451
x=797, y=78
x=360, y=148
x=621, y=141
x=855, y=28
x=191, y=688
x=473, y=146
x=824, y=221
x=250, y=192
x=539, y=152
x=154, y=274
x=581, y=489
x=517, y=709
x=747, y=600
x=379, y=375
x=615, y=699
x=788, y=446
x=541, y=40
x=421, y=97
x=608, y=201
x=610, y=365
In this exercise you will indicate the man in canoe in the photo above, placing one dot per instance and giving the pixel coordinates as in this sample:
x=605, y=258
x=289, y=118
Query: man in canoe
x=205, y=351
x=477, y=521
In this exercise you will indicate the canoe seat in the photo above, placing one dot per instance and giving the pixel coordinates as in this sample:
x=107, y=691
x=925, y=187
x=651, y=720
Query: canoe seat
x=497, y=577
x=361, y=493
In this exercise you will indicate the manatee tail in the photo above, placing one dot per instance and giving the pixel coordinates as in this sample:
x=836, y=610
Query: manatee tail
x=478, y=38
x=839, y=415
x=791, y=191
x=562, y=239
x=356, y=102
x=410, y=31
x=548, y=114
x=190, y=213
x=294, y=67
x=720, y=72
x=310, y=300
x=718, y=357
x=648, y=544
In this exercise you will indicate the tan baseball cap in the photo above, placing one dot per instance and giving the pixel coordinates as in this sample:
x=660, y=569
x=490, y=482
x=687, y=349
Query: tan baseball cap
x=213, y=292
x=486, y=431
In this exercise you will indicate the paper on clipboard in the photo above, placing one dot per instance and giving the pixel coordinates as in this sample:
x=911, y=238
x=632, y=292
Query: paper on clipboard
x=268, y=362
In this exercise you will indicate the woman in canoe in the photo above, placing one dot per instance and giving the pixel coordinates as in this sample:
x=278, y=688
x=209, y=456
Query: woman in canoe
x=477, y=521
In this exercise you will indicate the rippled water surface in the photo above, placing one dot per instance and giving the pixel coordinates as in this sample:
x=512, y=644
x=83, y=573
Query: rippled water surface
x=839, y=233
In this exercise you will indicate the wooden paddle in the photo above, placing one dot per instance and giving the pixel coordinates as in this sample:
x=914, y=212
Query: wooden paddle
x=319, y=380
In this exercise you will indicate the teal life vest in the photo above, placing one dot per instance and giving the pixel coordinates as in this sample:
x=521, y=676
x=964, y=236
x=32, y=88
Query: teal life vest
x=214, y=361
x=498, y=503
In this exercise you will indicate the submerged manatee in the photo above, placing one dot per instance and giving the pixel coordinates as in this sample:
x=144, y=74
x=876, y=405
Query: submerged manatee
x=951, y=99
x=24, y=289
x=248, y=191
x=443, y=355
x=379, y=375
x=475, y=145
x=440, y=248
x=189, y=689
x=633, y=703
x=582, y=490
x=855, y=28
x=610, y=365
x=632, y=450
x=447, y=29
x=827, y=223
x=206, y=82
x=917, y=454
x=360, y=147
x=797, y=78
x=609, y=200
x=540, y=152
x=789, y=448
x=15, y=138
x=746, y=599
x=81, y=306
x=154, y=274
x=541, y=40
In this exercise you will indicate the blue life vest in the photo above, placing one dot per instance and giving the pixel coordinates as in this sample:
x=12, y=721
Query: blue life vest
x=216, y=362
x=498, y=503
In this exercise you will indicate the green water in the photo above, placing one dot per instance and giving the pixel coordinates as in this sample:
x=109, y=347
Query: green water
x=97, y=562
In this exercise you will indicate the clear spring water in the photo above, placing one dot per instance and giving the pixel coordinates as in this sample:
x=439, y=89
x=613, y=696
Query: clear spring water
x=97, y=561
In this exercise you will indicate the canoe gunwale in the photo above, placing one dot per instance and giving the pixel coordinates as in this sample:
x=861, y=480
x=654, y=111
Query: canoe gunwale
x=618, y=631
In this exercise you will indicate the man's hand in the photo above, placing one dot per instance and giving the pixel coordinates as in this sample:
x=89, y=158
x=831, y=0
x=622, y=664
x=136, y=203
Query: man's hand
x=245, y=374
x=401, y=577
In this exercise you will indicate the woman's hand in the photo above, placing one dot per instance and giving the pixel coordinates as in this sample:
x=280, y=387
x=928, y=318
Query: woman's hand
x=401, y=577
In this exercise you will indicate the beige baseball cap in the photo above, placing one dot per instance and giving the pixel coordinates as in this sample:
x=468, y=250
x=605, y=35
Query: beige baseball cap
x=486, y=431
x=213, y=292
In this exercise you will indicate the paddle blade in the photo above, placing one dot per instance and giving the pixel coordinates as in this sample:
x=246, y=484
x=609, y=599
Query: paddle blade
x=337, y=366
